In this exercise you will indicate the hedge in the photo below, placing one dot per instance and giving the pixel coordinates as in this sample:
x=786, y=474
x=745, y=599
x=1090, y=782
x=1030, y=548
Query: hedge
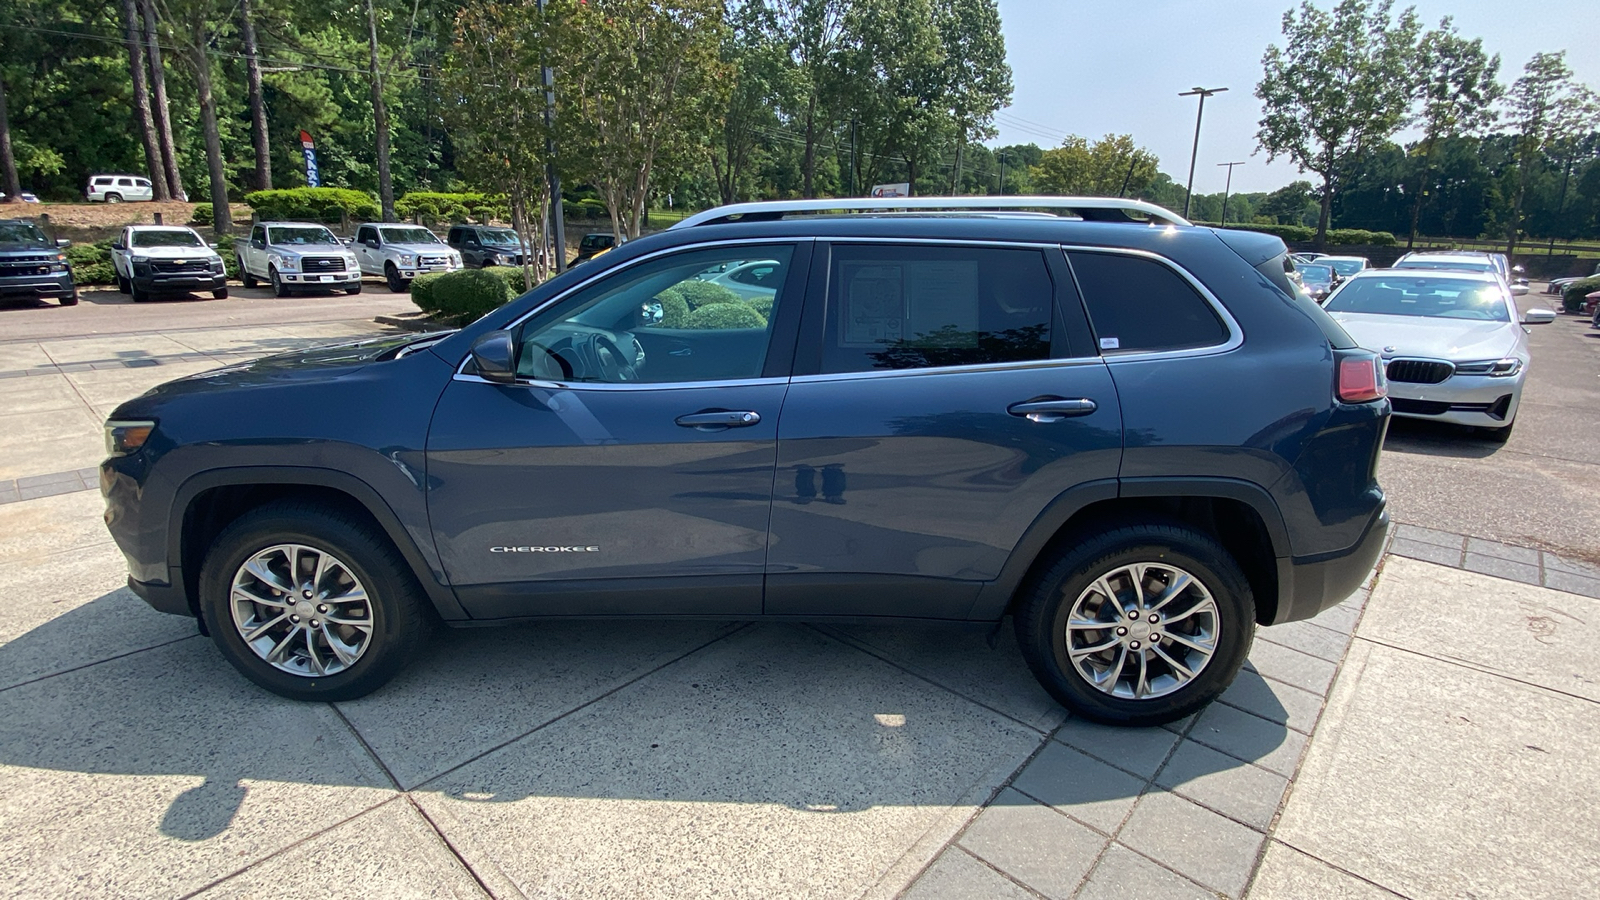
x=1305, y=233
x=461, y=296
x=1572, y=295
x=202, y=215
x=674, y=309
x=512, y=276
x=725, y=315
x=433, y=207
x=325, y=205
x=1287, y=232
x=704, y=293
x=91, y=263
x=761, y=305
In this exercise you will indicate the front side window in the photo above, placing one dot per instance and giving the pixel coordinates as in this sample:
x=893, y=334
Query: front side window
x=258, y=235
x=1139, y=305
x=658, y=322
x=917, y=307
x=499, y=237
x=366, y=234
x=172, y=237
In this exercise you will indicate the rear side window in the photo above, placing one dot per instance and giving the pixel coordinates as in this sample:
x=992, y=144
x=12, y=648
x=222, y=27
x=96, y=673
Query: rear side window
x=1138, y=305
x=915, y=307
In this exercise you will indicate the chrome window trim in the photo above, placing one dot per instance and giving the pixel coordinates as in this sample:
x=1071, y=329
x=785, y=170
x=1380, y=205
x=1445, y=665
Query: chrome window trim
x=1235, y=332
x=952, y=370
x=625, y=386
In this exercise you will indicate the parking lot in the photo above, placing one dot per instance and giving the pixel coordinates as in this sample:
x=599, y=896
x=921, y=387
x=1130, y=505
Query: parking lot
x=1427, y=738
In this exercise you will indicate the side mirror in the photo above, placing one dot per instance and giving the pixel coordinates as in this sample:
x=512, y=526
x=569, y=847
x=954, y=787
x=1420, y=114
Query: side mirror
x=496, y=357
x=1519, y=270
x=212, y=245
x=1517, y=290
x=117, y=246
x=62, y=243
x=1538, y=317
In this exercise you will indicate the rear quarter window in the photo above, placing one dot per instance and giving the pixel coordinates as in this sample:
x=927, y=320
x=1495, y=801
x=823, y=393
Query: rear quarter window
x=1139, y=305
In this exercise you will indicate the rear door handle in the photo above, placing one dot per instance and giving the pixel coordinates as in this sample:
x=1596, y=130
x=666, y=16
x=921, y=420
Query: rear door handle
x=1052, y=409
x=719, y=419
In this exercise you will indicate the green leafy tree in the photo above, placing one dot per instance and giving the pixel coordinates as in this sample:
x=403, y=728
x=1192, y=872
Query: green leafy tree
x=977, y=79
x=1536, y=100
x=764, y=80
x=1111, y=167
x=1343, y=81
x=1457, y=91
x=1287, y=205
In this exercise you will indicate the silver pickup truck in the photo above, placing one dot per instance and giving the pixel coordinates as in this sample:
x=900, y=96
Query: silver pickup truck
x=294, y=256
x=402, y=252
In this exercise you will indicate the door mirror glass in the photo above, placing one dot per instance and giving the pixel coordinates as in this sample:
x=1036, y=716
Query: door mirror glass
x=62, y=243
x=117, y=246
x=495, y=356
x=1538, y=317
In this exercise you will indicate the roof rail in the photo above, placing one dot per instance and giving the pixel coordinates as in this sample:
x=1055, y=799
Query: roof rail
x=1102, y=209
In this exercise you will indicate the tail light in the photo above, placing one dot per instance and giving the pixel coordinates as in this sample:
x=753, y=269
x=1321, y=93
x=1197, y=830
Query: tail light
x=1361, y=378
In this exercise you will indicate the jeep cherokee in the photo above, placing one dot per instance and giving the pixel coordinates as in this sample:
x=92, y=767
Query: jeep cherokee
x=1130, y=434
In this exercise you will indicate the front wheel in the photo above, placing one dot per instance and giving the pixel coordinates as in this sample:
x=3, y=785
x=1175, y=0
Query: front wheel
x=124, y=286
x=392, y=276
x=71, y=299
x=1499, y=435
x=353, y=289
x=312, y=603
x=219, y=294
x=1139, y=625
x=279, y=289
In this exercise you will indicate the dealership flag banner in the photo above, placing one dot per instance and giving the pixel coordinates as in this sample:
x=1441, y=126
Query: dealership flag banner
x=312, y=179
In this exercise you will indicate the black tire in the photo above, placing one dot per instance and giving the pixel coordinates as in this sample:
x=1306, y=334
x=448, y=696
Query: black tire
x=71, y=299
x=245, y=278
x=139, y=294
x=219, y=294
x=401, y=618
x=392, y=275
x=1498, y=435
x=124, y=286
x=279, y=289
x=1048, y=598
x=353, y=289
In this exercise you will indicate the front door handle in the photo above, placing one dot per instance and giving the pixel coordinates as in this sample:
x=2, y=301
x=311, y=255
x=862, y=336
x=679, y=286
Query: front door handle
x=1052, y=409
x=719, y=419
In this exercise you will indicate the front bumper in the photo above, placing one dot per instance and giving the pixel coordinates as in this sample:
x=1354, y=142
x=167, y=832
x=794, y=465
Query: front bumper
x=55, y=284
x=180, y=282
x=413, y=271
x=1309, y=585
x=1461, y=400
x=323, y=279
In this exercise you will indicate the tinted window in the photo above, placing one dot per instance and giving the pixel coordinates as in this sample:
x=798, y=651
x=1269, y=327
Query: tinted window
x=175, y=237
x=1140, y=305
x=663, y=321
x=125, y=182
x=909, y=307
x=258, y=234
x=366, y=233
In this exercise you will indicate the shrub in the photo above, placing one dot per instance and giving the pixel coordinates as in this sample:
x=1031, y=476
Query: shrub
x=95, y=273
x=1573, y=295
x=590, y=208
x=1360, y=236
x=461, y=296
x=202, y=215
x=326, y=205
x=91, y=263
x=761, y=305
x=674, y=309
x=512, y=276
x=230, y=260
x=438, y=208
x=725, y=315
x=704, y=293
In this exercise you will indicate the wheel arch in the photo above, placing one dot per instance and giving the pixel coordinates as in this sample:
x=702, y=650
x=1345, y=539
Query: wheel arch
x=1240, y=515
x=209, y=501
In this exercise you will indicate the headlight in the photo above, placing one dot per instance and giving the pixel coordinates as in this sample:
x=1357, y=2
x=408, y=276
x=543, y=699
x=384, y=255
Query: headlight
x=455, y=259
x=1494, y=368
x=141, y=260
x=125, y=437
x=407, y=259
x=349, y=261
x=216, y=264
x=289, y=263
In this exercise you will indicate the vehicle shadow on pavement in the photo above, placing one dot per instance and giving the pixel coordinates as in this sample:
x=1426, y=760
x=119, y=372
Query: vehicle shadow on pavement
x=815, y=720
x=1437, y=439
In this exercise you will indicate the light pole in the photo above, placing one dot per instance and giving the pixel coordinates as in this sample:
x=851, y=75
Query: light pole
x=1203, y=94
x=558, y=217
x=1225, y=190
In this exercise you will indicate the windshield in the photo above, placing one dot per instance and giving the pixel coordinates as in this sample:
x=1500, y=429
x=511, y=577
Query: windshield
x=301, y=234
x=1346, y=266
x=408, y=236
x=1316, y=273
x=1442, y=298
x=1475, y=265
x=175, y=237
x=21, y=233
x=499, y=237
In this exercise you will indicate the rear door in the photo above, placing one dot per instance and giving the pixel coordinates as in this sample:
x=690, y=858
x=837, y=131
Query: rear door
x=630, y=469
x=944, y=394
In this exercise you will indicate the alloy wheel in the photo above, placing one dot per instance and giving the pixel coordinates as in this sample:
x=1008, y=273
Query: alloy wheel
x=1142, y=630
x=302, y=610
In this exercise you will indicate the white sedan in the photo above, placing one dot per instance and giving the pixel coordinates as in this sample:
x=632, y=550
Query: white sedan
x=1456, y=349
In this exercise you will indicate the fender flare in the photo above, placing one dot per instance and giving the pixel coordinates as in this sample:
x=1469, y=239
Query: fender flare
x=442, y=595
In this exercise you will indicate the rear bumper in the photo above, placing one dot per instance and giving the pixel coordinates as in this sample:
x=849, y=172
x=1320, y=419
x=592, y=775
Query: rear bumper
x=167, y=598
x=1309, y=585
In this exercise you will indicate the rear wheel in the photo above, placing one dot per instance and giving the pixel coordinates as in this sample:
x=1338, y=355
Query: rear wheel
x=245, y=278
x=113, y=198
x=312, y=603
x=1139, y=625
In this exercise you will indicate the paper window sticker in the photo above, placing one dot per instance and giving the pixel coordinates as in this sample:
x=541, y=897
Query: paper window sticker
x=1109, y=343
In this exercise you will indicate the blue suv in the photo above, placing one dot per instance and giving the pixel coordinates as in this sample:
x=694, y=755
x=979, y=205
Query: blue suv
x=1133, y=436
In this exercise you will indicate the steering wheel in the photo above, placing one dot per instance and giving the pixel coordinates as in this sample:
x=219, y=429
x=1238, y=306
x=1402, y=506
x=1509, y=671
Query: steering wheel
x=607, y=360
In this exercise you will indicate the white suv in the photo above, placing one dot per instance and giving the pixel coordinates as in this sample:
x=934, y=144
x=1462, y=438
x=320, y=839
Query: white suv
x=119, y=188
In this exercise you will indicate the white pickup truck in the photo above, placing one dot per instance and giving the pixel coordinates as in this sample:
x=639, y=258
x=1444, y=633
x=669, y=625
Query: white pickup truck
x=294, y=256
x=402, y=252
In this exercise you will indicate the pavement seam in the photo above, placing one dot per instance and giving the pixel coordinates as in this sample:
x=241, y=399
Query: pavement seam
x=1337, y=868
x=448, y=845
x=1476, y=667
x=97, y=662
x=167, y=332
x=376, y=759
x=743, y=627
x=286, y=848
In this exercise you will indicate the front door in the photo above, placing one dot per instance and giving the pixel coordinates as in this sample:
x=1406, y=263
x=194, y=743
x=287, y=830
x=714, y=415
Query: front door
x=944, y=395
x=630, y=469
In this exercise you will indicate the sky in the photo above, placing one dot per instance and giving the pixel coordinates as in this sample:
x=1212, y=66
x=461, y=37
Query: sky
x=1094, y=67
